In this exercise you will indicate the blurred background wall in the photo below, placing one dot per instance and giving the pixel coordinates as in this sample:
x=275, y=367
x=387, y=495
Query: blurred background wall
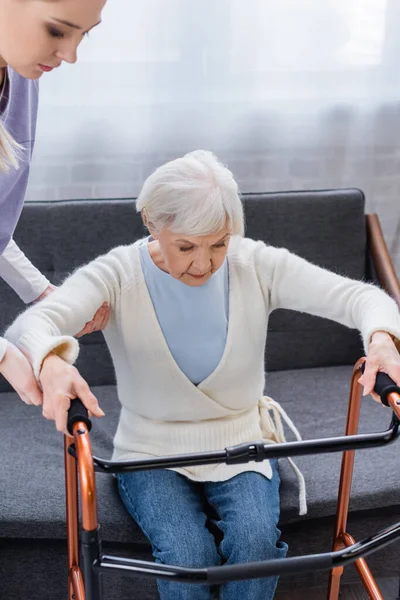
x=289, y=94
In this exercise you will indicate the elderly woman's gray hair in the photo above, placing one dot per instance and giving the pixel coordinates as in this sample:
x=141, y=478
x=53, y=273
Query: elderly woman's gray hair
x=193, y=195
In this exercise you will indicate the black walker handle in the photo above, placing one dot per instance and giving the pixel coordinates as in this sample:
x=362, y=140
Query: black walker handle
x=384, y=385
x=78, y=413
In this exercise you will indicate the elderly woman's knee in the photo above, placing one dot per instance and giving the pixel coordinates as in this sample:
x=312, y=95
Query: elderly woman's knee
x=251, y=540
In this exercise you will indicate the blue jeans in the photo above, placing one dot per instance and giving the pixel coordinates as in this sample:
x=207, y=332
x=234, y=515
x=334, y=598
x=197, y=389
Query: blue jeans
x=173, y=513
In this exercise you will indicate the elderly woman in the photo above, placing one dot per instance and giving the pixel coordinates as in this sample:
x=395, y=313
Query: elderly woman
x=189, y=313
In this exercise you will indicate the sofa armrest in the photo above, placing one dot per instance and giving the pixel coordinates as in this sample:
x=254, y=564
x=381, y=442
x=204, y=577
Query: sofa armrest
x=381, y=259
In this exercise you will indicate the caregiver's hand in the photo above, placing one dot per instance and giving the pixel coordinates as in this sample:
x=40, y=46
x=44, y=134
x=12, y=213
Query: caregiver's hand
x=46, y=292
x=382, y=356
x=18, y=372
x=61, y=383
x=98, y=322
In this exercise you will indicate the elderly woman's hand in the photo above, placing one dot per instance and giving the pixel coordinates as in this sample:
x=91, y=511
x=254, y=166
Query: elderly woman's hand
x=61, y=383
x=382, y=356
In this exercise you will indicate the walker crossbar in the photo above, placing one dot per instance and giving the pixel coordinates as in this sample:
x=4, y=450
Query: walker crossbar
x=267, y=568
x=253, y=451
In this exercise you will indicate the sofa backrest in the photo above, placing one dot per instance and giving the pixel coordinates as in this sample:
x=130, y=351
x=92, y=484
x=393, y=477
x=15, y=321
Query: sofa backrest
x=326, y=227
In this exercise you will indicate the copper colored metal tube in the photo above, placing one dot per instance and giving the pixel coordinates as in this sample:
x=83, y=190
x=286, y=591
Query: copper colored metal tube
x=334, y=583
x=87, y=478
x=71, y=494
x=77, y=583
x=364, y=572
x=346, y=475
x=394, y=403
x=342, y=538
x=335, y=574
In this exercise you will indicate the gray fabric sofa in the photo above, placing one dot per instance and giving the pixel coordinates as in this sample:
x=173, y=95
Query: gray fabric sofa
x=309, y=364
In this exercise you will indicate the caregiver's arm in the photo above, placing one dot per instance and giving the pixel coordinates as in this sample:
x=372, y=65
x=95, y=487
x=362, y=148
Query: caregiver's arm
x=20, y=274
x=50, y=325
x=31, y=286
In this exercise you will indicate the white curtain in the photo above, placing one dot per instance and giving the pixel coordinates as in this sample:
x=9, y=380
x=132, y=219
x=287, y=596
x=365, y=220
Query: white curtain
x=290, y=94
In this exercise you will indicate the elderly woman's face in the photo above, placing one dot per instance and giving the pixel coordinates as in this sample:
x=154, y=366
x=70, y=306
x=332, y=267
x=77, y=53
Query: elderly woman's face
x=190, y=259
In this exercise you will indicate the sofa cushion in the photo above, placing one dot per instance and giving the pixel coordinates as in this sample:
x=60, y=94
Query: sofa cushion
x=327, y=228
x=32, y=471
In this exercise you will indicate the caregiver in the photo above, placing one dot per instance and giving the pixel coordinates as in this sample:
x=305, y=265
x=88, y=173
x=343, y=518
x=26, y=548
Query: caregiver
x=36, y=36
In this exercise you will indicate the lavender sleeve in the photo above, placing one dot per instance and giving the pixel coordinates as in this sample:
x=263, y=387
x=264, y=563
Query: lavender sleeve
x=21, y=275
x=18, y=113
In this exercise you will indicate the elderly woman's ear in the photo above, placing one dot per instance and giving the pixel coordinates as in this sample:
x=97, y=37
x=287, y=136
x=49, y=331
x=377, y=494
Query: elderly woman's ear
x=145, y=220
x=147, y=223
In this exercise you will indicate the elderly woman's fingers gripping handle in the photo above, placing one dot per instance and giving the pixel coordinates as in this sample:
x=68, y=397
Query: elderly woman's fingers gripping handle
x=382, y=357
x=384, y=385
x=61, y=383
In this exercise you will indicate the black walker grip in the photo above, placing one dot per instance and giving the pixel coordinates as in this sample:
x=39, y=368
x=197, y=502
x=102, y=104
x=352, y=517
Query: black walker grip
x=384, y=385
x=78, y=413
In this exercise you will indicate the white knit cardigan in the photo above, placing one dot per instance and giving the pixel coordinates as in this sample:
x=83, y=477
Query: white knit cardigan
x=162, y=412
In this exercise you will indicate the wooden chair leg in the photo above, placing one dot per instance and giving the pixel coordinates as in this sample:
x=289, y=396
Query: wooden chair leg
x=342, y=538
x=76, y=590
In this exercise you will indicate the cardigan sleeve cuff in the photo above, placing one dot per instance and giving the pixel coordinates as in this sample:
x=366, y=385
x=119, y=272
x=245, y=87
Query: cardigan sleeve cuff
x=393, y=332
x=38, y=346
